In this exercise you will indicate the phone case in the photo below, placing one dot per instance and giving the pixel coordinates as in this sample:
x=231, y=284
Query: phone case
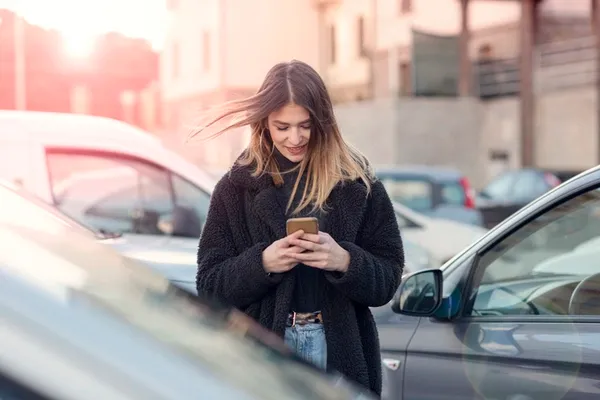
x=308, y=225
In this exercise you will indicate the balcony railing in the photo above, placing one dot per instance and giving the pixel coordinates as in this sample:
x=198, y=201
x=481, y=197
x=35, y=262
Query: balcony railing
x=496, y=78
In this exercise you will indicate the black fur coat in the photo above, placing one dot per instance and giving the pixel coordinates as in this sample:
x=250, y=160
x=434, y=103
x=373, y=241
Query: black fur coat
x=245, y=217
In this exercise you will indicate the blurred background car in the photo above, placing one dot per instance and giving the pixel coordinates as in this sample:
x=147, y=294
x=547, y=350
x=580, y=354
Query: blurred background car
x=438, y=192
x=513, y=189
x=93, y=321
x=106, y=174
x=417, y=258
x=440, y=239
x=175, y=263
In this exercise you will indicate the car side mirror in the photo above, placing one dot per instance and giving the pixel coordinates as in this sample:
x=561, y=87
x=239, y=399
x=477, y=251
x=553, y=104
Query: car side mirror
x=419, y=294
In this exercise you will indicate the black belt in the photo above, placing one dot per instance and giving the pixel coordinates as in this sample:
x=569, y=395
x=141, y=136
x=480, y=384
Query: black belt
x=295, y=318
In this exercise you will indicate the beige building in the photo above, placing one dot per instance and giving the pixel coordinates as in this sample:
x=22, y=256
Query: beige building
x=218, y=50
x=221, y=49
x=355, y=34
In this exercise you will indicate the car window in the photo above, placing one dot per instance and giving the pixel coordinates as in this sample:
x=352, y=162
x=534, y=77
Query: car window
x=109, y=193
x=500, y=187
x=415, y=194
x=527, y=186
x=550, y=266
x=402, y=222
x=11, y=389
x=193, y=202
x=453, y=193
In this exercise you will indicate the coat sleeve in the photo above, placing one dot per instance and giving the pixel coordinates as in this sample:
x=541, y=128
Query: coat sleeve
x=377, y=258
x=234, y=277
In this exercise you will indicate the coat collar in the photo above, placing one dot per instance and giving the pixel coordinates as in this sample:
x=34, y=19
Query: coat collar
x=346, y=203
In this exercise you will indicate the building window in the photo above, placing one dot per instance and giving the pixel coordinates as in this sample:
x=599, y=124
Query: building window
x=175, y=61
x=405, y=6
x=206, y=51
x=362, y=50
x=332, y=45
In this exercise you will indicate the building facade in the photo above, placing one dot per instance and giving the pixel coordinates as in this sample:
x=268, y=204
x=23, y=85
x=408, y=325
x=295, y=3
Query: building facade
x=220, y=50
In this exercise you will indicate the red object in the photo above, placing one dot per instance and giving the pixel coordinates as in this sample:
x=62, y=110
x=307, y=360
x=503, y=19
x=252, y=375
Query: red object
x=551, y=179
x=469, y=193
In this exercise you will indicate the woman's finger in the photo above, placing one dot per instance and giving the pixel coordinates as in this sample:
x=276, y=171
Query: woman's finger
x=286, y=241
x=309, y=256
x=316, y=264
x=294, y=249
x=305, y=244
x=311, y=237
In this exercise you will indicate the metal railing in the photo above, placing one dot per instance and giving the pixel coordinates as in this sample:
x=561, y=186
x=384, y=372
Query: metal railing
x=496, y=78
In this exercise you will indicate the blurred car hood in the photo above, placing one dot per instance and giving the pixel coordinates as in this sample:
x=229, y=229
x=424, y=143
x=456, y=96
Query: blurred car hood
x=445, y=238
x=174, y=259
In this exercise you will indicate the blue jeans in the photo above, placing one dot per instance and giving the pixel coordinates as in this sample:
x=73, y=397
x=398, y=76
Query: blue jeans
x=309, y=343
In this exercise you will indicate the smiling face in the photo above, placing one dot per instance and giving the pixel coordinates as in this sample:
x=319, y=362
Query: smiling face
x=290, y=131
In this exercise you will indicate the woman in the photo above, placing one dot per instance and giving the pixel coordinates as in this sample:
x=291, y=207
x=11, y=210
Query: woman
x=314, y=290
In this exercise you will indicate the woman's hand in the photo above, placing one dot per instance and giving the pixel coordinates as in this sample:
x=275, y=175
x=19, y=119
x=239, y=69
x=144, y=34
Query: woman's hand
x=321, y=251
x=278, y=257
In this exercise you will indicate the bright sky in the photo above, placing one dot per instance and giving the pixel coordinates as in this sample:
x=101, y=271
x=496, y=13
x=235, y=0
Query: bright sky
x=81, y=20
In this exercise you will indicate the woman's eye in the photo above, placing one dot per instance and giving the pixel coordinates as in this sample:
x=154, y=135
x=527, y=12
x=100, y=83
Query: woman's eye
x=307, y=127
x=279, y=128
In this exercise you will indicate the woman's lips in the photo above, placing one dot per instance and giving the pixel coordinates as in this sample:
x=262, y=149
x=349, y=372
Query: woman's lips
x=296, y=150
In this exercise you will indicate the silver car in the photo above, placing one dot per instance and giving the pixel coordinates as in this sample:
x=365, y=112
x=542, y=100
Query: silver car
x=79, y=320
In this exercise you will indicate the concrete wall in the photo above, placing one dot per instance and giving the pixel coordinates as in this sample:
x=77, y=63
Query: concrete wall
x=464, y=132
x=417, y=131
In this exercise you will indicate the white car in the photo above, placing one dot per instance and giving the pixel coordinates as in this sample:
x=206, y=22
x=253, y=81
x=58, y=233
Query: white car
x=175, y=263
x=442, y=238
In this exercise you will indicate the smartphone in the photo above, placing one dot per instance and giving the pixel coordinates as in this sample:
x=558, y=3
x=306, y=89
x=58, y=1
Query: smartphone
x=307, y=224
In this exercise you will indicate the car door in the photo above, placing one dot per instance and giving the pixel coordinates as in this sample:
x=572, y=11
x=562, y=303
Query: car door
x=112, y=192
x=529, y=322
x=395, y=332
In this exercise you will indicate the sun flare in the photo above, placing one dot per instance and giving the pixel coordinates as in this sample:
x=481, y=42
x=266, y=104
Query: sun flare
x=77, y=45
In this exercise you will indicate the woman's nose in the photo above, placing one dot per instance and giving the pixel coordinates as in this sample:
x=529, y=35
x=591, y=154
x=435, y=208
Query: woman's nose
x=295, y=137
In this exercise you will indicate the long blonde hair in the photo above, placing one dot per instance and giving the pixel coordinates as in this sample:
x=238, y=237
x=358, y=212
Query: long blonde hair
x=329, y=160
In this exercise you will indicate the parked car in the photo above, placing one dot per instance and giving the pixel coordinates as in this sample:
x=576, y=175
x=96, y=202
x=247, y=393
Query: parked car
x=106, y=174
x=442, y=239
x=417, y=258
x=178, y=264
x=511, y=190
x=438, y=192
x=516, y=315
x=80, y=319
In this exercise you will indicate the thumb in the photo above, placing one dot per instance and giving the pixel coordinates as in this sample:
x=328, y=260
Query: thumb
x=296, y=235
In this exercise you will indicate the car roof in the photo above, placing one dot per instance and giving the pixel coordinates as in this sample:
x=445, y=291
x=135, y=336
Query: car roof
x=438, y=173
x=51, y=126
x=94, y=133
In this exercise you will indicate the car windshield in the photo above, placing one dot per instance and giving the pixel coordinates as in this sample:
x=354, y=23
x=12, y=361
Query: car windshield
x=77, y=268
x=415, y=194
x=563, y=241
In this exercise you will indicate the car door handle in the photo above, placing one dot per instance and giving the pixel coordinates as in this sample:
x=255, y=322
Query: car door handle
x=391, y=363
